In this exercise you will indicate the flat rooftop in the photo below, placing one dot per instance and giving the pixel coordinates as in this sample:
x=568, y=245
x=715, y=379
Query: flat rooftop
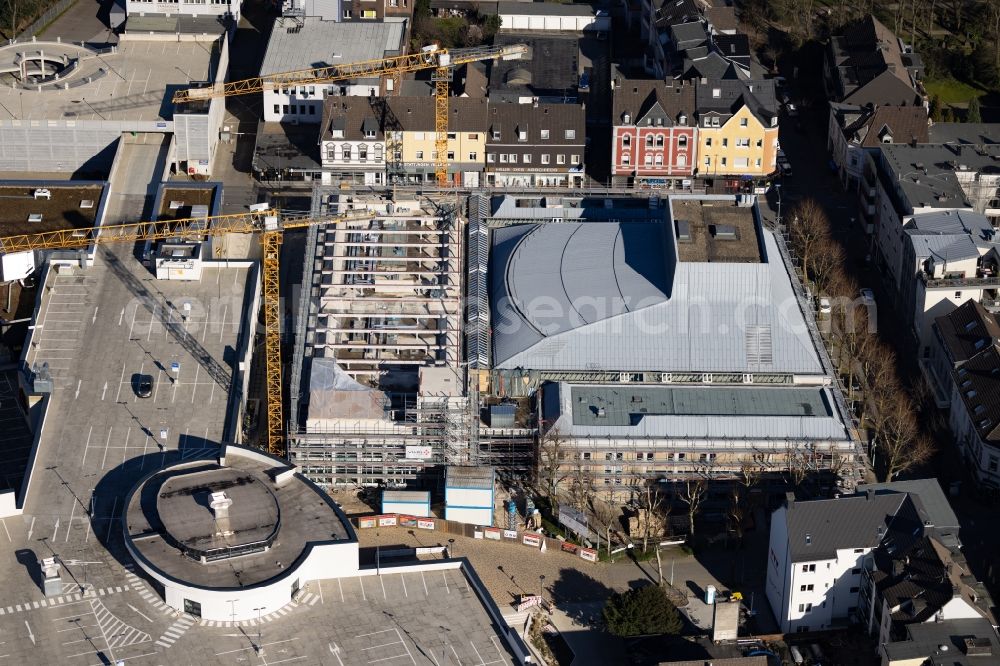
x=187, y=197
x=321, y=43
x=70, y=207
x=170, y=522
x=135, y=83
x=710, y=230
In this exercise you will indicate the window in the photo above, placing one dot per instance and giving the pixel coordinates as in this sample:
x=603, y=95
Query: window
x=659, y=140
x=743, y=122
x=649, y=140
x=513, y=158
x=808, y=567
x=503, y=158
x=859, y=550
x=659, y=160
x=363, y=152
x=451, y=155
x=682, y=141
x=607, y=456
x=491, y=158
x=368, y=14
x=802, y=608
x=397, y=155
x=715, y=121
x=742, y=143
x=369, y=134
x=725, y=142
x=496, y=135
x=625, y=159
x=420, y=154
x=526, y=158
x=277, y=108
x=331, y=152
x=809, y=607
x=806, y=588
x=473, y=157
x=586, y=454
x=570, y=134
x=680, y=456
x=471, y=136
x=958, y=295
x=626, y=140
x=708, y=161
x=574, y=159
x=649, y=455
x=346, y=151
x=522, y=135
x=284, y=108
x=560, y=159
x=452, y=136
x=545, y=159
x=347, y=13
x=378, y=152
x=708, y=141
x=723, y=161
x=545, y=134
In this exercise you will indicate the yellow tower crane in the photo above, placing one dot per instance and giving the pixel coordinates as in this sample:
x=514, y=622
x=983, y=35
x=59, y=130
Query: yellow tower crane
x=270, y=224
x=442, y=61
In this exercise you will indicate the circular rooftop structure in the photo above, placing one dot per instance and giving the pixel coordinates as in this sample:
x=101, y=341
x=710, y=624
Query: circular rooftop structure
x=215, y=514
x=227, y=536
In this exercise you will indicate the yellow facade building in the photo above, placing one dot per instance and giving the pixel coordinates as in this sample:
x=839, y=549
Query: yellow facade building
x=737, y=128
x=410, y=140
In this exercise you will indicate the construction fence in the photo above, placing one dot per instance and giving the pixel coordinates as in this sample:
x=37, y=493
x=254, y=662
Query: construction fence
x=526, y=538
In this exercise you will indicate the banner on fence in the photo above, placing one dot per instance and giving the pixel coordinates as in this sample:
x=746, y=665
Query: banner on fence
x=408, y=521
x=366, y=521
x=588, y=554
x=388, y=520
x=425, y=523
x=533, y=540
x=492, y=533
x=527, y=601
x=569, y=547
x=510, y=534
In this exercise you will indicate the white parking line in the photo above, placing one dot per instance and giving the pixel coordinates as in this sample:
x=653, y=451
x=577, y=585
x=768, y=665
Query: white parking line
x=121, y=379
x=84, y=459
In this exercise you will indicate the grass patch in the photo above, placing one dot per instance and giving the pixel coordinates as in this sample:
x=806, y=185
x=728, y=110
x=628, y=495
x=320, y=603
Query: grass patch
x=951, y=91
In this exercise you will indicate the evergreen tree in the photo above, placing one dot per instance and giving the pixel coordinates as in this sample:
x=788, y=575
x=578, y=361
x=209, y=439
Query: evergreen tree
x=973, y=114
x=641, y=612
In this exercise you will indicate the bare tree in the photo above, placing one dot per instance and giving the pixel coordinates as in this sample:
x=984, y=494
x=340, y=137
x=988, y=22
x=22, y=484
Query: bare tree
x=900, y=446
x=749, y=474
x=607, y=516
x=581, y=486
x=551, y=471
x=809, y=228
x=798, y=464
x=693, y=494
x=649, y=503
x=737, y=511
x=827, y=263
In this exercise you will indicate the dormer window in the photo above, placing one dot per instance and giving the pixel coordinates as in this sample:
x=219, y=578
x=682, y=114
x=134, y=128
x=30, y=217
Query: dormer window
x=682, y=120
x=716, y=93
x=496, y=135
x=627, y=118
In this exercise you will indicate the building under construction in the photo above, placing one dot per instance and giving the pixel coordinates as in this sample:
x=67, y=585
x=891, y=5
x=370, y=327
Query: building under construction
x=380, y=396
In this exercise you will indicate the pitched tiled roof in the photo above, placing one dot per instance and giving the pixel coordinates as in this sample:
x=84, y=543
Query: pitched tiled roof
x=511, y=118
x=636, y=97
x=972, y=336
x=869, y=65
x=759, y=96
x=905, y=124
x=818, y=529
x=349, y=114
x=416, y=114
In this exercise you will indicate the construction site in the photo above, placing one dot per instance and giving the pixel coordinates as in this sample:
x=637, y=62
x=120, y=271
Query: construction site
x=380, y=395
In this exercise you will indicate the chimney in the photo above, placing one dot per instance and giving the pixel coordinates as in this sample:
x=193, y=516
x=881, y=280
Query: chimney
x=789, y=499
x=220, y=509
x=870, y=494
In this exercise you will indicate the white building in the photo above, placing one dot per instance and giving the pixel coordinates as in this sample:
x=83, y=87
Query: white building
x=949, y=257
x=352, y=143
x=553, y=16
x=885, y=557
x=853, y=130
x=816, y=556
x=304, y=43
x=264, y=534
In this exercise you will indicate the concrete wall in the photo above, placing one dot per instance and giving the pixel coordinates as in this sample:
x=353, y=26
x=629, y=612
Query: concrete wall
x=515, y=21
x=65, y=146
x=186, y=8
x=777, y=568
x=241, y=365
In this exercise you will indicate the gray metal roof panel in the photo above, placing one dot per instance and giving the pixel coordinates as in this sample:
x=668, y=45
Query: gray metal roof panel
x=944, y=248
x=328, y=42
x=719, y=317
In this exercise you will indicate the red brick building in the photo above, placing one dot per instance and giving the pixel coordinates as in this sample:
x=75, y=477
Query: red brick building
x=654, y=137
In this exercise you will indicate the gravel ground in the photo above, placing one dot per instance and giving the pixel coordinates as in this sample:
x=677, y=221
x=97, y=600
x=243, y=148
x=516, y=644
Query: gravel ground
x=567, y=577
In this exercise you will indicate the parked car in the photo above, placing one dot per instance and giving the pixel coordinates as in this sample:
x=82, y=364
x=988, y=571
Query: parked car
x=786, y=169
x=144, y=386
x=791, y=110
x=824, y=307
x=868, y=296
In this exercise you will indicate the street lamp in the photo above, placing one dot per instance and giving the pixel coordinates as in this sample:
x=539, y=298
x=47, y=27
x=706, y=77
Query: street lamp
x=259, y=648
x=777, y=190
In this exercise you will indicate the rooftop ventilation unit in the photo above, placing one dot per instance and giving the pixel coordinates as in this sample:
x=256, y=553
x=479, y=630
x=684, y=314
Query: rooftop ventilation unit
x=34, y=217
x=724, y=231
x=683, y=230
